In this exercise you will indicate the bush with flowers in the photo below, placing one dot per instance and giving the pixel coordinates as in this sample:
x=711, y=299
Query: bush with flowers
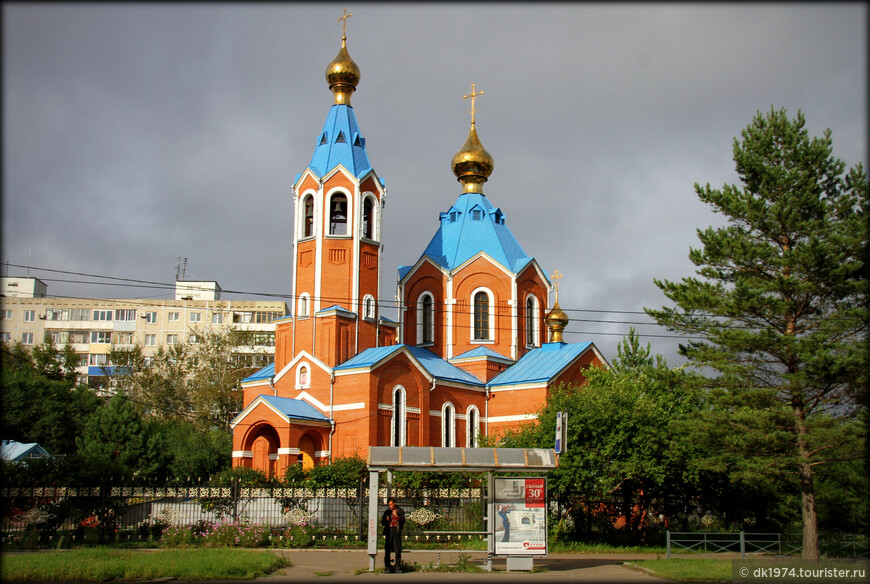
x=208, y=534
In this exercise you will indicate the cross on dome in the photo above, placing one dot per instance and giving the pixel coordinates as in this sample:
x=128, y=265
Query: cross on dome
x=343, y=18
x=472, y=95
x=556, y=277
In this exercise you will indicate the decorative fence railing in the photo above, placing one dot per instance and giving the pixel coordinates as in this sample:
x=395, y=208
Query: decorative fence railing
x=431, y=513
x=775, y=544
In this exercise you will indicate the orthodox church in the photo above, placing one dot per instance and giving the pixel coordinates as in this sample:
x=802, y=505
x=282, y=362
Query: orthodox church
x=470, y=355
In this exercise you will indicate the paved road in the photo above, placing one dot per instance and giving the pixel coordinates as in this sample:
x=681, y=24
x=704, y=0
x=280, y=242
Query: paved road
x=340, y=566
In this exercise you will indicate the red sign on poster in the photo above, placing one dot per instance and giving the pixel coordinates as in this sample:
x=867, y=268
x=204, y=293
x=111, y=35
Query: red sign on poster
x=535, y=493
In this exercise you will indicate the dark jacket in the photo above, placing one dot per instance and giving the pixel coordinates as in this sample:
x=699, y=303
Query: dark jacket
x=385, y=519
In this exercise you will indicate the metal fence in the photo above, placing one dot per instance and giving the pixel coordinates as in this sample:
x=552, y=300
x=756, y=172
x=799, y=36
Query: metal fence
x=776, y=544
x=431, y=513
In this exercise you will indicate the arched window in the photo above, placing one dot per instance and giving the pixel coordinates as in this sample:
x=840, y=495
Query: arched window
x=481, y=316
x=397, y=423
x=425, y=318
x=303, y=376
x=531, y=321
x=308, y=219
x=302, y=311
x=472, y=427
x=448, y=425
x=368, y=218
x=369, y=307
x=338, y=215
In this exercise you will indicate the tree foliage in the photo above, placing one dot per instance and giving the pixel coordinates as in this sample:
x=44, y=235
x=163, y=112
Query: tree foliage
x=779, y=308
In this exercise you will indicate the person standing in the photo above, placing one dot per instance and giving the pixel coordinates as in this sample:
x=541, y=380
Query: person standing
x=393, y=521
x=503, y=511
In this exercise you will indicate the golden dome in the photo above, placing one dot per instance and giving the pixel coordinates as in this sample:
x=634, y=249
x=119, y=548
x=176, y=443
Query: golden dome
x=557, y=320
x=472, y=165
x=342, y=75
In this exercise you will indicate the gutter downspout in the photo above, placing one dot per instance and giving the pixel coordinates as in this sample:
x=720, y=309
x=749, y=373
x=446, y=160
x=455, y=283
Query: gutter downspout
x=331, y=418
x=486, y=412
x=272, y=385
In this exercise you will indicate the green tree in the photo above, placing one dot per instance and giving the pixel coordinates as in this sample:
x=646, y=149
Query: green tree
x=779, y=306
x=41, y=402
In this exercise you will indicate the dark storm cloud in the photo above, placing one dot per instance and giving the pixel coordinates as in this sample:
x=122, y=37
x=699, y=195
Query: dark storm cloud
x=135, y=134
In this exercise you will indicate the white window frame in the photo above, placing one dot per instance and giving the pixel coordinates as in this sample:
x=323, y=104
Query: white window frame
x=150, y=340
x=448, y=427
x=305, y=198
x=173, y=316
x=303, y=375
x=420, y=332
x=172, y=339
x=125, y=314
x=369, y=307
x=101, y=337
x=303, y=305
x=534, y=319
x=399, y=409
x=103, y=315
x=217, y=318
x=8, y=315
x=98, y=360
x=150, y=317
x=375, y=234
x=26, y=338
x=195, y=317
x=491, y=316
x=5, y=337
x=472, y=426
x=29, y=315
x=349, y=215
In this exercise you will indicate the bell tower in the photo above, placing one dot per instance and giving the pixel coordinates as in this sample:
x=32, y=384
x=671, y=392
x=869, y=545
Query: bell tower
x=337, y=234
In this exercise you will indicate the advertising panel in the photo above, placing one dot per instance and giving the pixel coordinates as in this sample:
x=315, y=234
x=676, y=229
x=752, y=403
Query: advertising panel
x=521, y=516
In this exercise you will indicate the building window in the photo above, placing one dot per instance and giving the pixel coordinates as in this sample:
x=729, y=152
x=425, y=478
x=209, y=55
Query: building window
x=308, y=219
x=243, y=317
x=150, y=340
x=303, y=376
x=477, y=215
x=80, y=314
x=195, y=317
x=7, y=315
x=531, y=321
x=29, y=315
x=98, y=360
x=102, y=315
x=338, y=215
x=124, y=338
x=125, y=315
x=369, y=307
x=397, y=423
x=101, y=337
x=173, y=316
x=56, y=314
x=60, y=337
x=5, y=337
x=217, y=318
x=472, y=427
x=150, y=317
x=425, y=318
x=27, y=338
x=302, y=312
x=482, y=318
x=192, y=339
x=171, y=339
x=448, y=425
x=368, y=226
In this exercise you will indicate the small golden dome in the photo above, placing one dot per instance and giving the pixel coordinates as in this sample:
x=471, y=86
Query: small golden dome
x=472, y=165
x=557, y=320
x=342, y=75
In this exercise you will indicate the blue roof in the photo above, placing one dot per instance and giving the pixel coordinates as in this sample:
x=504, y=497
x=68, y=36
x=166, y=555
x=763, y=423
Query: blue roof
x=337, y=309
x=540, y=364
x=294, y=408
x=12, y=450
x=481, y=352
x=432, y=363
x=340, y=143
x=472, y=225
x=265, y=373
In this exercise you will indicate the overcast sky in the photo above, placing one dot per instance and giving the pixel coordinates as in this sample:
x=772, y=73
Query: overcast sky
x=135, y=134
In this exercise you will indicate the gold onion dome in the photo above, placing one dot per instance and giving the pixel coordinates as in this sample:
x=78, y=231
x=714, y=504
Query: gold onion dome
x=557, y=320
x=342, y=75
x=472, y=165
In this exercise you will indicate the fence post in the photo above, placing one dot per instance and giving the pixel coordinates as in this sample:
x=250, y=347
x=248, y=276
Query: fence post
x=742, y=545
x=668, y=539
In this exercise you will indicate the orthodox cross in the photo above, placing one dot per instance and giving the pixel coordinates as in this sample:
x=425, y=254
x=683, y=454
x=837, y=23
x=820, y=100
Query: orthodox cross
x=344, y=18
x=472, y=95
x=556, y=277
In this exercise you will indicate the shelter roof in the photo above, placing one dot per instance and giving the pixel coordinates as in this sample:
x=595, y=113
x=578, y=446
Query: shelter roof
x=431, y=458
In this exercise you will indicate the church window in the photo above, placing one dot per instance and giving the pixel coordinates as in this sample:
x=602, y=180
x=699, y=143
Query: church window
x=303, y=377
x=369, y=307
x=481, y=316
x=477, y=214
x=340, y=139
x=448, y=426
x=472, y=427
x=302, y=311
x=323, y=139
x=368, y=219
x=425, y=319
x=308, y=226
x=531, y=321
x=397, y=423
x=338, y=215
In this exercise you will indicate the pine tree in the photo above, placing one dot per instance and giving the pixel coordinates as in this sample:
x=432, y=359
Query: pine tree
x=780, y=305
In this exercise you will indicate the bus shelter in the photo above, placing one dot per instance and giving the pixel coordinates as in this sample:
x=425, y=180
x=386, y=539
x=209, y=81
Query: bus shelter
x=433, y=459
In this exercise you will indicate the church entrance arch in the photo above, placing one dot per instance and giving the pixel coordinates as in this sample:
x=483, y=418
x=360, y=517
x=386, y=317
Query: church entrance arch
x=309, y=444
x=263, y=442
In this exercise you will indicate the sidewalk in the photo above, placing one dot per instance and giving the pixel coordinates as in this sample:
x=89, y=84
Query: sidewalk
x=341, y=566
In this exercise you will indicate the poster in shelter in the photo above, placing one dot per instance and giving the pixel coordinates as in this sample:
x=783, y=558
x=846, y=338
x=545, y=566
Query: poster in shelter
x=520, y=516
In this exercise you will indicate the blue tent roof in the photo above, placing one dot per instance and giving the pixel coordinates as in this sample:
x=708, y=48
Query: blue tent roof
x=432, y=363
x=481, y=352
x=472, y=225
x=340, y=143
x=265, y=373
x=295, y=409
x=540, y=364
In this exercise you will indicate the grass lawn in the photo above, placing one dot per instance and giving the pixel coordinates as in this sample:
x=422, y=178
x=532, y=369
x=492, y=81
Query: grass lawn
x=102, y=564
x=688, y=569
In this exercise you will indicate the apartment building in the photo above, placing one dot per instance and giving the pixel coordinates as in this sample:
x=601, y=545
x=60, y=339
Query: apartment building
x=93, y=326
